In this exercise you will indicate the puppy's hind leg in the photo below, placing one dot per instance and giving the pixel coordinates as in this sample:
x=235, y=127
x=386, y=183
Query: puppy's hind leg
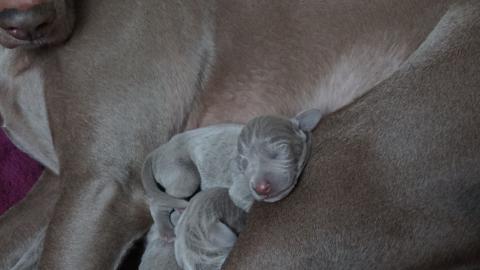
x=182, y=180
x=179, y=182
x=161, y=203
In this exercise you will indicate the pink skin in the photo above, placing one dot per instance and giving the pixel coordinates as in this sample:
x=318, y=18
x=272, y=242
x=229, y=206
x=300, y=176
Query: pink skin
x=180, y=210
x=263, y=191
x=263, y=188
x=19, y=4
x=168, y=237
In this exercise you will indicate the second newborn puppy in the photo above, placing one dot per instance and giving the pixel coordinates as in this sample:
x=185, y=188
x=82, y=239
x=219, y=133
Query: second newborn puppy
x=259, y=161
x=205, y=233
x=207, y=230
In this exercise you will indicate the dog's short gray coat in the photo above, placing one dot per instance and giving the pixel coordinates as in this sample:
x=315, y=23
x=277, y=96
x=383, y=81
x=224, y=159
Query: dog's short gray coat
x=394, y=178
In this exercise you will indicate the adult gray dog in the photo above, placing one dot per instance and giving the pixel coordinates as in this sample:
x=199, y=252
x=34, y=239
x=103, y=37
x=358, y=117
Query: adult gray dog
x=393, y=184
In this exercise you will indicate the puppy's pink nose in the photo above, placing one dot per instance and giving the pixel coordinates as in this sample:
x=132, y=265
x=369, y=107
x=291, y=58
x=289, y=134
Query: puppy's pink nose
x=263, y=188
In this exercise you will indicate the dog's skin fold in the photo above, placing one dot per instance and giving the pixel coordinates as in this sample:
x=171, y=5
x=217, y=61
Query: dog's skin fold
x=394, y=178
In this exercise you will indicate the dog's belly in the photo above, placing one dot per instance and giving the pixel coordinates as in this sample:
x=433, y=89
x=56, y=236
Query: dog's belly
x=282, y=62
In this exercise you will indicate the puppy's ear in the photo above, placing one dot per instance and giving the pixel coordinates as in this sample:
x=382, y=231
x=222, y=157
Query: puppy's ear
x=308, y=120
x=24, y=114
x=220, y=235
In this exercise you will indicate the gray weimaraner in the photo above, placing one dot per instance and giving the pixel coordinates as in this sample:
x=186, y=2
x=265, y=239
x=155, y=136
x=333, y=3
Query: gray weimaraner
x=261, y=161
x=394, y=178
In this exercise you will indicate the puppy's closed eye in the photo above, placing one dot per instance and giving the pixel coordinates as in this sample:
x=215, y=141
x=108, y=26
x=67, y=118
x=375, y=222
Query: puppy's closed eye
x=278, y=152
x=242, y=163
x=269, y=152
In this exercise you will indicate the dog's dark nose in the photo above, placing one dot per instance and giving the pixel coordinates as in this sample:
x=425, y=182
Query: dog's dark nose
x=263, y=188
x=27, y=22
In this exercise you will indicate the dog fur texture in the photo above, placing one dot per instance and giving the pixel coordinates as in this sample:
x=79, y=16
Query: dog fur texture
x=393, y=180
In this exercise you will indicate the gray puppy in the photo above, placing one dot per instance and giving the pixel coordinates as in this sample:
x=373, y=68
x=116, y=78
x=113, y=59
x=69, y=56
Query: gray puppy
x=207, y=230
x=259, y=161
x=205, y=233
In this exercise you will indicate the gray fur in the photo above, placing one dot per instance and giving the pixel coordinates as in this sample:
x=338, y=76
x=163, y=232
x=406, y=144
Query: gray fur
x=159, y=254
x=267, y=148
x=207, y=230
x=394, y=180
x=30, y=257
x=93, y=229
x=136, y=72
x=275, y=150
x=24, y=100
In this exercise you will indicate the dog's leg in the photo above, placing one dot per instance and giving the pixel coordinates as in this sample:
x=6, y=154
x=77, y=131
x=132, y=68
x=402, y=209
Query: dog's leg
x=25, y=223
x=31, y=255
x=99, y=220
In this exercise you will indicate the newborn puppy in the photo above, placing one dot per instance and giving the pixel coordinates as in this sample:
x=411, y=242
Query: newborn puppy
x=207, y=230
x=259, y=161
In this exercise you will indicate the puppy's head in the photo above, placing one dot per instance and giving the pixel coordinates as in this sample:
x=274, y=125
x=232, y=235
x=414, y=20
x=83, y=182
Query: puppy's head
x=272, y=152
x=35, y=23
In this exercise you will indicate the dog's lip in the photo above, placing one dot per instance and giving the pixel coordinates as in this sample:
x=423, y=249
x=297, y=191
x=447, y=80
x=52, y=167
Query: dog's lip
x=13, y=42
x=37, y=42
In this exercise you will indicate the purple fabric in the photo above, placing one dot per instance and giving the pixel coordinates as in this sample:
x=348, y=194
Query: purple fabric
x=18, y=173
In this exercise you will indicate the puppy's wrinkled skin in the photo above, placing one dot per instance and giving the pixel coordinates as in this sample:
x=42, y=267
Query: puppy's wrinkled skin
x=261, y=160
x=32, y=24
x=273, y=152
x=207, y=230
x=136, y=72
